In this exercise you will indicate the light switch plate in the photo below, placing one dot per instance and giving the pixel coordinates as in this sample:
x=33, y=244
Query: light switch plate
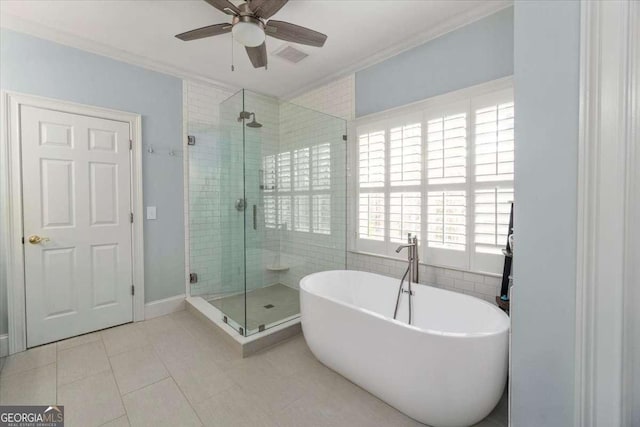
x=151, y=212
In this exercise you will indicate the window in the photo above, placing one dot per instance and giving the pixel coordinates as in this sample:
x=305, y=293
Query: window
x=297, y=190
x=442, y=170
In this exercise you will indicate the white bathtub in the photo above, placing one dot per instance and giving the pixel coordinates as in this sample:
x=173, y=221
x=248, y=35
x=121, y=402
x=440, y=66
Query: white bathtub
x=449, y=368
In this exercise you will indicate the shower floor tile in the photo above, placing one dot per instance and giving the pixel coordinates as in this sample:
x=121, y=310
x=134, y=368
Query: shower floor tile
x=265, y=306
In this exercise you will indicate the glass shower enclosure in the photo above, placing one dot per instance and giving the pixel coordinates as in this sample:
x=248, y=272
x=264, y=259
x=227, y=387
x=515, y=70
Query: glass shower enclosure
x=267, y=206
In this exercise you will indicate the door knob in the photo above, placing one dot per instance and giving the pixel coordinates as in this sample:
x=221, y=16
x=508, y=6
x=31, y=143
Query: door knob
x=34, y=240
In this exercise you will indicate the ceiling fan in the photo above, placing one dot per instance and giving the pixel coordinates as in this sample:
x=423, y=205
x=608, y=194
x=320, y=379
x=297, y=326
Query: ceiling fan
x=251, y=24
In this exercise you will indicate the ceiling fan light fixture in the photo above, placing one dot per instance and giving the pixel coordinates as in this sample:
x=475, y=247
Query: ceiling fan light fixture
x=248, y=31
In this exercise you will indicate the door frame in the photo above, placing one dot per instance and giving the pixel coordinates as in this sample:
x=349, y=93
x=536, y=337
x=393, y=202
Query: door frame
x=606, y=381
x=11, y=197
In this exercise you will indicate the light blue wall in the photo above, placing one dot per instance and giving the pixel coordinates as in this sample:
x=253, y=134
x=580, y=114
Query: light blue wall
x=39, y=67
x=547, y=48
x=473, y=54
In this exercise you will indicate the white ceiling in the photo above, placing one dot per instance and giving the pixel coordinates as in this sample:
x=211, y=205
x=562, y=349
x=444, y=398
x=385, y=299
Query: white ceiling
x=360, y=32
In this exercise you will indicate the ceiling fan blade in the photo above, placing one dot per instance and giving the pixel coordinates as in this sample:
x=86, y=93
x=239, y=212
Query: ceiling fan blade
x=265, y=9
x=224, y=6
x=258, y=55
x=294, y=33
x=208, y=31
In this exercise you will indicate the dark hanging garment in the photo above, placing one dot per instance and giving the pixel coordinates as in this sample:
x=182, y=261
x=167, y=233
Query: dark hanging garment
x=508, y=259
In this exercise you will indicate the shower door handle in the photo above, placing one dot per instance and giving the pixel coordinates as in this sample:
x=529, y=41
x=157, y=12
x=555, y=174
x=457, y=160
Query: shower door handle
x=255, y=217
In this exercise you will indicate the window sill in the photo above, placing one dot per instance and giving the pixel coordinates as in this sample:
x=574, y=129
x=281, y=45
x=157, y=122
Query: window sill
x=483, y=273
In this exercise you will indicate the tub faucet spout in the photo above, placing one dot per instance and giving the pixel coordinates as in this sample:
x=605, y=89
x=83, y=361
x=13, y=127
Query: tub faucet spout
x=412, y=271
x=401, y=247
x=412, y=257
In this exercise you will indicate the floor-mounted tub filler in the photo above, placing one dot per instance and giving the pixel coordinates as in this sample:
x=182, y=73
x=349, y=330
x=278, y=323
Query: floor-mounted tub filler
x=447, y=369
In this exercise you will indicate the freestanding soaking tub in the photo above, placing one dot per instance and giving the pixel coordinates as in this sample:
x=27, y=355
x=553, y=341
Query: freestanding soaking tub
x=447, y=369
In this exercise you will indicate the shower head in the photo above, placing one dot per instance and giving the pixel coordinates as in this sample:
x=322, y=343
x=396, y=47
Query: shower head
x=253, y=123
x=245, y=115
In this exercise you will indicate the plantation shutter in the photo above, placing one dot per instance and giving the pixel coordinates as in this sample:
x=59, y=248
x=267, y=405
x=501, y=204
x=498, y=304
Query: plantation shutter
x=492, y=209
x=447, y=149
x=269, y=187
x=405, y=176
x=371, y=216
x=321, y=167
x=442, y=171
x=493, y=178
x=371, y=182
x=494, y=143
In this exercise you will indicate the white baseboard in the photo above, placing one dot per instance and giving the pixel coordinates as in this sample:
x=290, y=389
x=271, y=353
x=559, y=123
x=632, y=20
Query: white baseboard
x=164, y=306
x=4, y=345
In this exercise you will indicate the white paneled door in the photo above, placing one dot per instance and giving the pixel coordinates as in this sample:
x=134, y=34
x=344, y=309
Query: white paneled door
x=77, y=203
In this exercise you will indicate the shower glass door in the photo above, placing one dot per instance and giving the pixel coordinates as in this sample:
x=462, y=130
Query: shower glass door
x=217, y=211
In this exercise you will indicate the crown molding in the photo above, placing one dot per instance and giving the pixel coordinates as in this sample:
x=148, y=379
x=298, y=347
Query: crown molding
x=18, y=24
x=483, y=10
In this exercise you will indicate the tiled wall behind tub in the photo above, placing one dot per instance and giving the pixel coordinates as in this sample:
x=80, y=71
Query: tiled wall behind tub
x=479, y=285
x=338, y=98
x=313, y=230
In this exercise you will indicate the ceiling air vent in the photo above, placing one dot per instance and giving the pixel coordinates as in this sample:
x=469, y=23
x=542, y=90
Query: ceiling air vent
x=291, y=54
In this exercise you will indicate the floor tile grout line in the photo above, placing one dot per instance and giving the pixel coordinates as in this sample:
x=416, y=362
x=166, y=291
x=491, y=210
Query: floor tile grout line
x=81, y=378
x=84, y=378
x=11, y=374
x=176, y=382
x=187, y=400
x=128, y=349
x=171, y=375
x=57, y=365
x=115, y=381
x=157, y=354
x=22, y=353
x=5, y=377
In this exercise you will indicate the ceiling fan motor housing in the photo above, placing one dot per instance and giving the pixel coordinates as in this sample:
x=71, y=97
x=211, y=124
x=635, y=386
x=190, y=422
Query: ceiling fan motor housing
x=248, y=30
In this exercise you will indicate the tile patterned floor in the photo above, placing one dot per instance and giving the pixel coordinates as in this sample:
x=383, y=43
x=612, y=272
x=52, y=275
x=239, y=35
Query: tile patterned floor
x=176, y=371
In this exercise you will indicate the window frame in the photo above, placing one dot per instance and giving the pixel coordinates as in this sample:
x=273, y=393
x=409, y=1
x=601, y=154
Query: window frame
x=466, y=100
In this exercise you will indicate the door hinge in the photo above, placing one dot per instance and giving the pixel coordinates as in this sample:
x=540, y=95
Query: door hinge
x=133, y=290
x=131, y=217
x=131, y=144
x=344, y=137
x=193, y=278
